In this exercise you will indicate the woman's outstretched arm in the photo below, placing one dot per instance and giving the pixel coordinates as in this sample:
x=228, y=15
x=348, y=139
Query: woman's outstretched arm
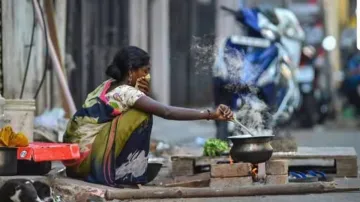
x=152, y=106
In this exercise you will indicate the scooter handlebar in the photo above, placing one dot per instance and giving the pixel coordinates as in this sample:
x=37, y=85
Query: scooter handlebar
x=237, y=14
x=228, y=10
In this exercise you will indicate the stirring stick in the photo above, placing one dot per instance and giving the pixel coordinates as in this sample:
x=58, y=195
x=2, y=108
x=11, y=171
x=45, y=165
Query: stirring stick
x=244, y=127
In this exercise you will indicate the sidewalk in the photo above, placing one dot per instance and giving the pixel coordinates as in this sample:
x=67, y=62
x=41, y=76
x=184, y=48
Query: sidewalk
x=182, y=132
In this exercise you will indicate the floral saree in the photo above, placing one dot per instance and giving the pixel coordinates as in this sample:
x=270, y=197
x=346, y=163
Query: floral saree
x=113, y=138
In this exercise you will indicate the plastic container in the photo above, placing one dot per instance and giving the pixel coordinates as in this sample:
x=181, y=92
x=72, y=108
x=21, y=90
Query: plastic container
x=21, y=114
x=3, y=120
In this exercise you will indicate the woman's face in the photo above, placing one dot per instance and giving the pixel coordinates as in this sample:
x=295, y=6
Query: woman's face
x=138, y=73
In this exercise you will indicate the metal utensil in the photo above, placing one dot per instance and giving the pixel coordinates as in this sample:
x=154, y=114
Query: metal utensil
x=240, y=124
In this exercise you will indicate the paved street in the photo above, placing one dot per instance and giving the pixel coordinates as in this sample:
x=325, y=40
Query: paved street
x=331, y=197
x=184, y=133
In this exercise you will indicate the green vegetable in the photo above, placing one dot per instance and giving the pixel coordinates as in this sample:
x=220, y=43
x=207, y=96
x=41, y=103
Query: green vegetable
x=215, y=147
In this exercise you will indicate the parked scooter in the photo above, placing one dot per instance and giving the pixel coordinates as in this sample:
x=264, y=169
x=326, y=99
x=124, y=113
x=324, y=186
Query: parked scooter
x=351, y=84
x=350, y=87
x=264, y=59
x=305, y=76
x=315, y=106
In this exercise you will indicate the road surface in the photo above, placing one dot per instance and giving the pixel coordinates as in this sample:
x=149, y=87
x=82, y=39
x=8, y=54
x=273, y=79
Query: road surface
x=330, y=197
x=184, y=133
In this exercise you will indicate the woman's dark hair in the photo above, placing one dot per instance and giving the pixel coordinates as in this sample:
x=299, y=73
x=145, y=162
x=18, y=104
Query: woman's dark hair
x=128, y=58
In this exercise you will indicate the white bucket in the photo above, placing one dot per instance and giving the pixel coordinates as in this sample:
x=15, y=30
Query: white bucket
x=21, y=114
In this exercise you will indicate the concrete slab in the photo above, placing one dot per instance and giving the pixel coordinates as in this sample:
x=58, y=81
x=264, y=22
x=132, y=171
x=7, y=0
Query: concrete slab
x=317, y=152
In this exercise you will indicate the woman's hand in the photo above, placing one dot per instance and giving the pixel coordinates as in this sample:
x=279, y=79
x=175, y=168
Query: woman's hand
x=223, y=113
x=143, y=85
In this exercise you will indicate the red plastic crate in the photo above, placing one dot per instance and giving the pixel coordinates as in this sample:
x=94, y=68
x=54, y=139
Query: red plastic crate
x=40, y=151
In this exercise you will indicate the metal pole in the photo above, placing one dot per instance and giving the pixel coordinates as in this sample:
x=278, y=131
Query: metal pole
x=333, y=64
x=56, y=63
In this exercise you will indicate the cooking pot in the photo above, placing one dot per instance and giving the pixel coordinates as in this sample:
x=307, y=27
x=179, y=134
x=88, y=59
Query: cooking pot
x=153, y=170
x=8, y=161
x=251, y=149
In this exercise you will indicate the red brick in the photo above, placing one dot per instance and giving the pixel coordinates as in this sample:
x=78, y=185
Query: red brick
x=230, y=182
x=277, y=179
x=230, y=170
x=277, y=167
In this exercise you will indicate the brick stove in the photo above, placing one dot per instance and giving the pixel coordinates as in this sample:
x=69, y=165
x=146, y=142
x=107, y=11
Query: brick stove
x=229, y=174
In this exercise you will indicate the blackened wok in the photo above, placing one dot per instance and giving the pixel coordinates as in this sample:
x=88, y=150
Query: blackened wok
x=251, y=149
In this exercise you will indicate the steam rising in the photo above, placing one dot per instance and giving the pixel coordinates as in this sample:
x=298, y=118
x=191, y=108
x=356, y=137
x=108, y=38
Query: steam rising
x=203, y=52
x=241, y=74
x=255, y=115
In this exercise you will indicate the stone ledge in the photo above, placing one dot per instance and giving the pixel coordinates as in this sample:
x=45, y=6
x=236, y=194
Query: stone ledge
x=230, y=182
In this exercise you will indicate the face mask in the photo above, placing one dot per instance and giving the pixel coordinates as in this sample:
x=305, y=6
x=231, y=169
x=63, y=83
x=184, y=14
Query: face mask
x=148, y=77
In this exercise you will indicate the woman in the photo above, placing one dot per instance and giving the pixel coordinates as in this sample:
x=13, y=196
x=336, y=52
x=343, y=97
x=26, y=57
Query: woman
x=113, y=127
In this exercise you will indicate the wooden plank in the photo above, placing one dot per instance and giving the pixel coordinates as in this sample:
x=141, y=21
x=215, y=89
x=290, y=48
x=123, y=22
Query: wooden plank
x=346, y=158
x=205, y=161
x=312, y=162
x=285, y=189
x=199, y=180
x=317, y=152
